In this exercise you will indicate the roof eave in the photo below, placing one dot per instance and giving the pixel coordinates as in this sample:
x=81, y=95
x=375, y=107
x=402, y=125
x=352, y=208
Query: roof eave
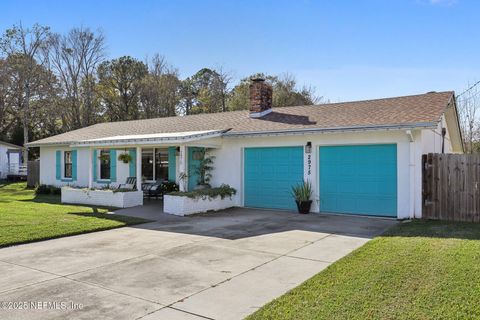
x=148, y=141
x=11, y=145
x=420, y=125
x=226, y=133
x=48, y=144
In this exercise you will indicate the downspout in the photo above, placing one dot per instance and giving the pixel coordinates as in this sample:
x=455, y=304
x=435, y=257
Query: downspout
x=411, y=173
x=8, y=161
x=444, y=132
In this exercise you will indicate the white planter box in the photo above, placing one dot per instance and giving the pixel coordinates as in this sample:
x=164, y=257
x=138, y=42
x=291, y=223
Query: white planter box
x=106, y=198
x=182, y=206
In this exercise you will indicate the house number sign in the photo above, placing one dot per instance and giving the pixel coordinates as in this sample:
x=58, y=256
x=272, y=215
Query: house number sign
x=309, y=164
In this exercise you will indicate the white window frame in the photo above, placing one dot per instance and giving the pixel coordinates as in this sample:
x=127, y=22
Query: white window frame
x=99, y=166
x=64, y=163
x=154, y=162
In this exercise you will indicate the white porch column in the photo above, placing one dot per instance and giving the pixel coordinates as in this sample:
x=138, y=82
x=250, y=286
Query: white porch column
x=139, y=168
x=90, y=168
x=412, y=177
x=182, y=168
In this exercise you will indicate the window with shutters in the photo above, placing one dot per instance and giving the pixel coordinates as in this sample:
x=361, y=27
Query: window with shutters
x=105, y=164
x=67, y=164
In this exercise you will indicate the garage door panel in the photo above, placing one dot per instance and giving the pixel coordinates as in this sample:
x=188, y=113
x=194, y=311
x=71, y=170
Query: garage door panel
x=269, y=175
x=359, y=179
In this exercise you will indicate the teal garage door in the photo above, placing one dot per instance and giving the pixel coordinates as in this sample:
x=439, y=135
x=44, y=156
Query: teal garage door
x=359, y=179
x=269, y=174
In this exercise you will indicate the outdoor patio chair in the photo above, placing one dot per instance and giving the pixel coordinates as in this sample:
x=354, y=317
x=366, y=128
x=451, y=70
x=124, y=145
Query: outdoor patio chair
x=156, y=190
x=130, y=183
x=145, y=187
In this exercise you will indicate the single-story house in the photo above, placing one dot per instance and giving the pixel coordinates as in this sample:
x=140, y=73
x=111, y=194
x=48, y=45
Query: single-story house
x=10, y=159
x=362, y=157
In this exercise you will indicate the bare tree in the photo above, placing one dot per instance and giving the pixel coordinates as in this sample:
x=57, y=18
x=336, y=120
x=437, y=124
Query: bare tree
x=468, y=104
x=160, y=92
x=25, y=45
x=6, y=116
x=222, y=83
x=74, y=59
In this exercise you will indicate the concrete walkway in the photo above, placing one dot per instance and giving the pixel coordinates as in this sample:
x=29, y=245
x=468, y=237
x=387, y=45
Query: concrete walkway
x=217, y=266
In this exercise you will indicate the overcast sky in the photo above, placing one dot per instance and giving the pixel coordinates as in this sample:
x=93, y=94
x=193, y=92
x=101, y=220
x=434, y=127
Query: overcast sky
x=347, y=50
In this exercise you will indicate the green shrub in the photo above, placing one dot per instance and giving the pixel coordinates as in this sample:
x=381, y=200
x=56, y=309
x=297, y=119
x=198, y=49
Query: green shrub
x=170, y=187
x=223, y=191
x=56, y=191
x=47, y=189
x=42, y=189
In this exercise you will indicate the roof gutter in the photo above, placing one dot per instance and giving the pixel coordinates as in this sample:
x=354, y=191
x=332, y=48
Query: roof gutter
x=147, y=141
x=49, y=144
x=227, y=134
x=419, y=125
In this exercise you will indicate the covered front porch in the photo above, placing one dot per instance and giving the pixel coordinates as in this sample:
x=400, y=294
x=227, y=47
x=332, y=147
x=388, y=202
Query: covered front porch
x=149, y=159
x=123, y=170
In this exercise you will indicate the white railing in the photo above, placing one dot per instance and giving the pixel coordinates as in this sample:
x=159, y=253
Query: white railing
x=17, y=169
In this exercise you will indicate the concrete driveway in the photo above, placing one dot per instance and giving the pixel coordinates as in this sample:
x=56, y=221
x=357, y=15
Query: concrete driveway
x=217, y=266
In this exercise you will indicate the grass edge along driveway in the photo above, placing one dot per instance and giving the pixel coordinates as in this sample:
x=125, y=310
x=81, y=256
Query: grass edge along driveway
x=417, y=270
x=25, y=217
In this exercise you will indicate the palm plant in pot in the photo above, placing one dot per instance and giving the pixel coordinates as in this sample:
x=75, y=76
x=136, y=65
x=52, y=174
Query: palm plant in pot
x=204, y=169
x=302, y=193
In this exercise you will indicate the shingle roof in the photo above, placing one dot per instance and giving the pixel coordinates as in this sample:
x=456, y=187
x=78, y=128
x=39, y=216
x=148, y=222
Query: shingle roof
x=13, y=146
x=402, y=111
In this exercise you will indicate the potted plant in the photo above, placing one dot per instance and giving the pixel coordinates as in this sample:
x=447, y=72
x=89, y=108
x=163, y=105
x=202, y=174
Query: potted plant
x=125, y=157
x=104, y=157
x=204, y=169
x=302, y=193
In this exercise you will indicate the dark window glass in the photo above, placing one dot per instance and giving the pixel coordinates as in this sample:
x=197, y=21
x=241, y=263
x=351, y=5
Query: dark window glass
x=67, y=162
x=105, y=164
x=161, y=164
x=147, y=164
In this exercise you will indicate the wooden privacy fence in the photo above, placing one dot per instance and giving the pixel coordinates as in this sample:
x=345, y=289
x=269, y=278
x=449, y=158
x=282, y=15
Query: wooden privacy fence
x=451, y=187
x=33, y=173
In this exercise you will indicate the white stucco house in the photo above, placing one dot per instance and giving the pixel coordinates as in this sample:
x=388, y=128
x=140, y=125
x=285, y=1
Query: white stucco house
x=362, y=157
x=10, y=159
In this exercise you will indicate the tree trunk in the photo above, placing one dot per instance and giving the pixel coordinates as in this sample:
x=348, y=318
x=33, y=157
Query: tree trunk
x=25, y=122
x=25, y=138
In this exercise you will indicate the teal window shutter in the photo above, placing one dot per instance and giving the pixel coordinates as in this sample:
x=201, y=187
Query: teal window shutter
x=172, y=164
x=74, y=165
x=58, y=165
x=132, y=165
x=113, y=165
x=94, y=165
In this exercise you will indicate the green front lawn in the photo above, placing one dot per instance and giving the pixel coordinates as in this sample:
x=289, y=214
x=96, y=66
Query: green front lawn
x=418, y=270
x=25, y=217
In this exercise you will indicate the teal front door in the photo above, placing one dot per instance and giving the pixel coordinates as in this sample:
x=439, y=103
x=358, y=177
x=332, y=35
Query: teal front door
x=193, y=163
x=269, y=174
x=359, y=179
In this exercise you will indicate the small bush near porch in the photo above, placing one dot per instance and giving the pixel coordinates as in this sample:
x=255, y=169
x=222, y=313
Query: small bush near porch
x=418, y=270
x=25, y=217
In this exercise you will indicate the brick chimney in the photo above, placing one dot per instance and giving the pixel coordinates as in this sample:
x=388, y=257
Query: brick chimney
x=260, y=98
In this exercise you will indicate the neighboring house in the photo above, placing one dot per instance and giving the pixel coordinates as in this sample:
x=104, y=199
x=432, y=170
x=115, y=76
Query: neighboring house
x=362, y=157
x=10, y=159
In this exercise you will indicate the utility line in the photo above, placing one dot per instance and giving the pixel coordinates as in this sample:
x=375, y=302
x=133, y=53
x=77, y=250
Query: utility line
x=470, y=97
x=470, y=88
